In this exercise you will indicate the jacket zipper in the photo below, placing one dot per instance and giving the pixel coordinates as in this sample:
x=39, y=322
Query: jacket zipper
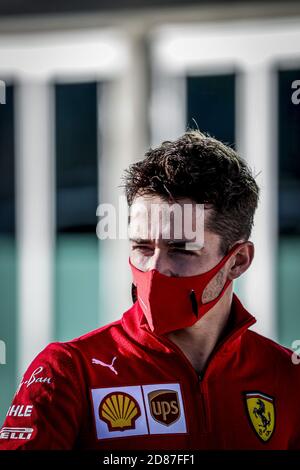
x=199, y=378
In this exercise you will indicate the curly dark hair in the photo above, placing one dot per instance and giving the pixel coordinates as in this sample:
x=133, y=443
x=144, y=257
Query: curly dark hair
x=203, y=169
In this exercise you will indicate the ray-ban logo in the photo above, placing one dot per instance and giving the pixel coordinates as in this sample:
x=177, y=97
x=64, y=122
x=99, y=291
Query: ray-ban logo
x=2, y=92
x=2, y=352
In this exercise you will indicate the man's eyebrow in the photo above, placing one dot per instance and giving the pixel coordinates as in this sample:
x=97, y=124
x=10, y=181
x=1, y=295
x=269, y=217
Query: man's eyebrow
x=180, y=243
x=170, y=243
x=140, y=240
x=177, y=243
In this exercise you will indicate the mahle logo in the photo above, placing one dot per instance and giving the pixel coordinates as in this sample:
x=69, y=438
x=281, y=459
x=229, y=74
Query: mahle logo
x=2, y=92
x=2, y=352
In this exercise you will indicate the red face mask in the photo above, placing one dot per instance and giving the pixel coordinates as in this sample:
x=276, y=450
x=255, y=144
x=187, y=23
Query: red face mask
x=172, y=303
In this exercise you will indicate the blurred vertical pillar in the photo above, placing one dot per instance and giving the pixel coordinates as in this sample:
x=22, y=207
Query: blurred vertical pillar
x=168, y=105
x=123, y=117
x=34, y=177
x=257, y=143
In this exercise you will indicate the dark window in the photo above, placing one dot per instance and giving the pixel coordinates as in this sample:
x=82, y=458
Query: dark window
x=76, y=157
x=289, y=154
x=288, y=268
x=7, y=170
x=211, y=103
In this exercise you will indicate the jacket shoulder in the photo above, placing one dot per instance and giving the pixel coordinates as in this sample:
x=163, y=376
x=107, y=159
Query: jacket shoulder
x=103, y=338
x=271, y=352
x=268, y=344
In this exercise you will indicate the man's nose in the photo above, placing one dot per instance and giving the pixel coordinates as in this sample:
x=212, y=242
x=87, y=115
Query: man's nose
x=160, y=262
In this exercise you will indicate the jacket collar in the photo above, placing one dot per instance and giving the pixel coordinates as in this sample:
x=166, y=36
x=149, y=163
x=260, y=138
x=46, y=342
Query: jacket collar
x=135, y=325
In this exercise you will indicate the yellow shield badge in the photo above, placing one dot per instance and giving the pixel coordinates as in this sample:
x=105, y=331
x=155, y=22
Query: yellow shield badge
x=261, y=411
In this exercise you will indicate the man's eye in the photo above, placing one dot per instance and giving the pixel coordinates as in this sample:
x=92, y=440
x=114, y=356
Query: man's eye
x=142, y=248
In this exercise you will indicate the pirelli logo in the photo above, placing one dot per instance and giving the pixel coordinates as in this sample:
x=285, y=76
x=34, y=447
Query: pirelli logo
x=16, y=433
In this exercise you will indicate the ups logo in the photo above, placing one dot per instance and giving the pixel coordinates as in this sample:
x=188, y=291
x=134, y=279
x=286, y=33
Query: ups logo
x=164, y=406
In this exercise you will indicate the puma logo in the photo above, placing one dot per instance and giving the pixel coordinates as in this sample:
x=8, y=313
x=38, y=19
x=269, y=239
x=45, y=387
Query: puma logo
x=110, y=366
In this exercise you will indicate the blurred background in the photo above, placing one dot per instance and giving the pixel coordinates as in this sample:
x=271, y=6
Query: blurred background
x=89, y=86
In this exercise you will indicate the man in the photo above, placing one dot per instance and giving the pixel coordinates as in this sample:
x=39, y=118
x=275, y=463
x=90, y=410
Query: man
x=180, y=369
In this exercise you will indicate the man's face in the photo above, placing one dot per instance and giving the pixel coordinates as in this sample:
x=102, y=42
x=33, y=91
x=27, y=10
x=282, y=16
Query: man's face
x=169, y=255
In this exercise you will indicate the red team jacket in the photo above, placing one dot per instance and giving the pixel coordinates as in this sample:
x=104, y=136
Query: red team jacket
x=123, y=388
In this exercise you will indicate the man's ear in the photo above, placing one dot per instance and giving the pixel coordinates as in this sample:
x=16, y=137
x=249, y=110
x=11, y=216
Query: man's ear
x=241, y=261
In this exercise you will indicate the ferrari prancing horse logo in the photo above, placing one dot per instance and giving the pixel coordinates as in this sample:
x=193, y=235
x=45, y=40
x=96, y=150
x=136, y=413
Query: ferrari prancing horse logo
x=261, y=412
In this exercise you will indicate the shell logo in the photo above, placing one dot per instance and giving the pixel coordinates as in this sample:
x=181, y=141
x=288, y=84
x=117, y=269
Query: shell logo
x=119, y=411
